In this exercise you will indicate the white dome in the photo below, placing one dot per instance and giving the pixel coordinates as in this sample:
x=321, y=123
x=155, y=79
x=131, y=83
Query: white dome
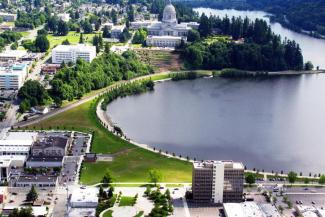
x=169, y=15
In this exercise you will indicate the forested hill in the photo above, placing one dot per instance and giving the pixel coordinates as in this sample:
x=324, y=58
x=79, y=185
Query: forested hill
x=294, y=14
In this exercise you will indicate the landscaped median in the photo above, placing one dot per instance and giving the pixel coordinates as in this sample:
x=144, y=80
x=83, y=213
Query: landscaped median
x=131, y=163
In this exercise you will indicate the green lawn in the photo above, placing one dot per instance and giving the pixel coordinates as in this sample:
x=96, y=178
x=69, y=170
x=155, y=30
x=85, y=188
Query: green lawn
x=108, y=213
x=131, y=163
x=139, y=214
x=72, y=36
x=126, y=201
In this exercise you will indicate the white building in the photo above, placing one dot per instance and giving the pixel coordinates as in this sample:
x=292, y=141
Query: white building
x=17, y=143
x=108, y=25
x=7, y=162
x=250, y=209
x=8, y=17
x=84, y=197
x=13, y=76
x=70, y=53
x=64, y=17
x=117, y=31
x=168, y=32
x=12, y=55
x=141, y=24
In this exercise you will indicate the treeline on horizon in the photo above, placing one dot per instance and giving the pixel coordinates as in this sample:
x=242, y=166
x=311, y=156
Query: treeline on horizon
x=261, y=49
x=73, y=81
x=297, y=15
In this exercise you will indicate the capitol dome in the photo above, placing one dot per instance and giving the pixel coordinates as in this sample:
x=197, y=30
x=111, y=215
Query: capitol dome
x=169, y=15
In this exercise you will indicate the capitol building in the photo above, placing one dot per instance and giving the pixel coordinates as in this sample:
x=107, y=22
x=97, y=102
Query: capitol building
x=168, y=32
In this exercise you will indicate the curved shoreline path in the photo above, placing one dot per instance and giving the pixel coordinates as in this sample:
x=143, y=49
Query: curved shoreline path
x=81, y=101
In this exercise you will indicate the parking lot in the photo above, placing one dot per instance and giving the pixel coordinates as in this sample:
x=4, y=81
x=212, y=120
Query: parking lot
x=69, y=170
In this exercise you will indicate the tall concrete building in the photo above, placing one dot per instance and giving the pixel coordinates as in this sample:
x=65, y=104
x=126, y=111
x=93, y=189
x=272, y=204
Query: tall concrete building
x=217, y=181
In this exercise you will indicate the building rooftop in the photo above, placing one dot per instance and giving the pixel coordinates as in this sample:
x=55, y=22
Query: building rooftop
x=45, y=158
x=20, y=136
x=87, y=195
x=78, y=47
x=246, y=209
x=78, y=212
x=164, y=36
x=44, y=142
x=210, y=163
x=13, y=53
x=37, y=178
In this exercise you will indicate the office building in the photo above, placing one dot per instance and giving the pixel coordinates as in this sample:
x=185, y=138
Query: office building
x=217, y=181
x=70, y=53
x=13, y=76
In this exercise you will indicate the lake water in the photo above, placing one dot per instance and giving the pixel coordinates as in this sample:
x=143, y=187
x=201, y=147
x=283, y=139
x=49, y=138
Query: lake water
x=270, y=124
x=312, y=48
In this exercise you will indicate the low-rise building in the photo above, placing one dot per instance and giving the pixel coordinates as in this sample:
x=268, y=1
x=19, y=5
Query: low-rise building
x=141, y=24
x=50, y=68
x=84, y=197
x=217, y=181
x=64, y=17
x=13, y=76
x=50, y=146
x=249, y=209
x=12, y=55
x=7, y=17
x=25, y=180
x=117, y=31
x=108, y=25
x=8, y=162
x=163, y=41
x=70, y=53
x=44, y=161
x=78, y=212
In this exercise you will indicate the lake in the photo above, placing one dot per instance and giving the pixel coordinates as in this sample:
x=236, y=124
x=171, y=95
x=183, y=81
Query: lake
x=312, y=48
x=272, y=124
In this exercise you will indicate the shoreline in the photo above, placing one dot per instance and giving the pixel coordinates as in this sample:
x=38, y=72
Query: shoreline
x=107, y=122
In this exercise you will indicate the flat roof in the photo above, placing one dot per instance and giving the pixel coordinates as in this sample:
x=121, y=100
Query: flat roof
x=77, y=47
x=13, y=53
x=37, y=178
x=164, y=37
x=79, y=212
x=250, y=209
x=20, y=136
x=14, y=148
x=210, y=163
x=15, y=142
x=45, y=158
x=89, y=194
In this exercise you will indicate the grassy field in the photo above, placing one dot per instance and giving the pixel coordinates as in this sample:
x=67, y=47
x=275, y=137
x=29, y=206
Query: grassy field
x=72, y=36
x=108, y=213
x=211, y=39
x=131, y=163
x=126, y=201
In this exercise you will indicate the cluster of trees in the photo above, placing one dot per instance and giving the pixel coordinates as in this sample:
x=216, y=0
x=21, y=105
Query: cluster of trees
x=30, y=20
x=8, y=37
x=57, y=26
x=106, y=198
x=40, y=44
x=140, y=36
x=297, y=14
x=73, y=81
x=23, y=212
x=32, y=94
x=163, y=202
x=261, y=49
x=132, y=88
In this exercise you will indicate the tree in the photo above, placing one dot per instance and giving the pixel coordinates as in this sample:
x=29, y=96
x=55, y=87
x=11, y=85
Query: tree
x=250, y=178
x=309, y=66
x=81, y=39
x=321, y=180
x=32, y=195
x=193, y=35
x=280, y=209
x=205, y=26
x=292, y=177
x=139, y=36
x=42, y=44
x=63, y=28
x=154, y=176
x=107, y=179
x=106, y=32
x=66, y=42
x=86, y=26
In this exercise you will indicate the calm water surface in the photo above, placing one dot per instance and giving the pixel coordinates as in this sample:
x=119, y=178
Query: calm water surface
x=269, y=124
x=312, y=48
